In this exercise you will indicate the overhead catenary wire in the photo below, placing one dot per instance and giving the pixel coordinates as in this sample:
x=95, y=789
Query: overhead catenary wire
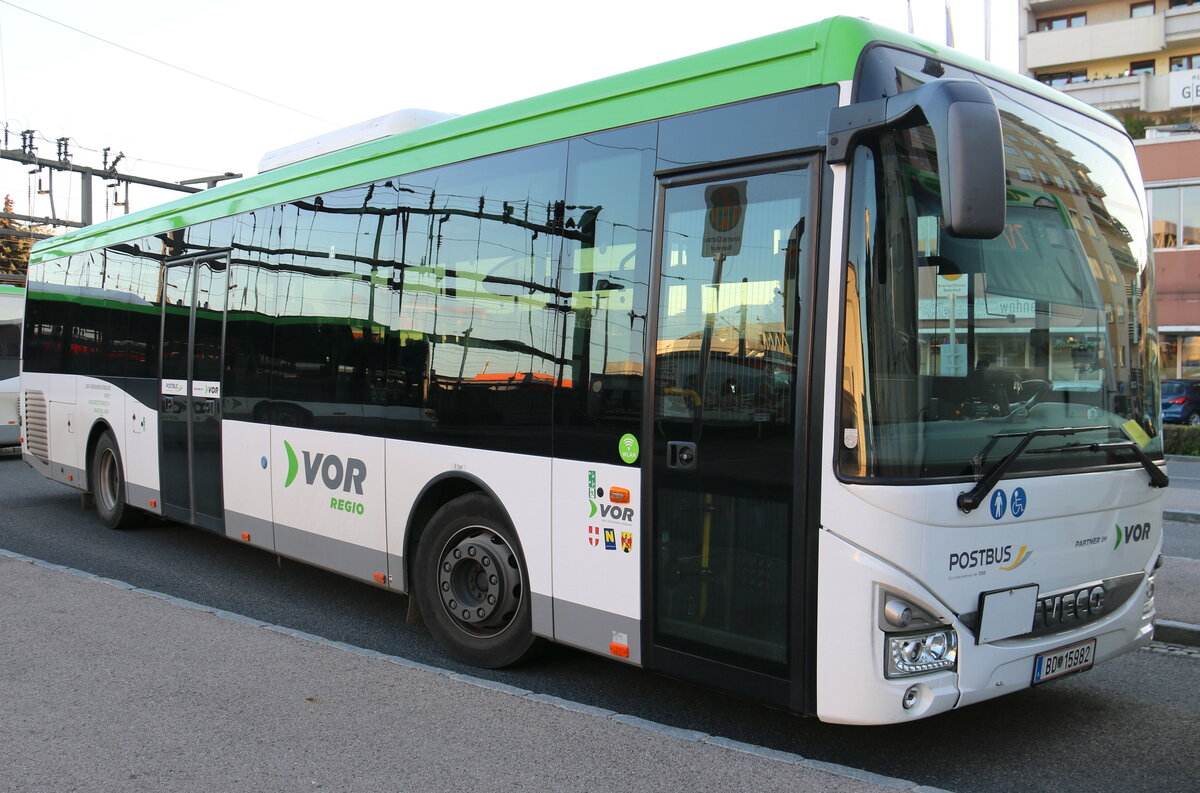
x=168, y=65
x=75, y=142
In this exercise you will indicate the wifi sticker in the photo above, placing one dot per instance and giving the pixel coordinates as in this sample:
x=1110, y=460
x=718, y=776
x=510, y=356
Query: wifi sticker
x=628, y=449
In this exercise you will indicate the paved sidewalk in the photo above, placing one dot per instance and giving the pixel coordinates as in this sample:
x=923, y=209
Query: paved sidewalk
x=113, y=689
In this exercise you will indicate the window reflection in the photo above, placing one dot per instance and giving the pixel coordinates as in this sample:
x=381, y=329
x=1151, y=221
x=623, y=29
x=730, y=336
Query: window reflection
x=420, y=304
x=605, y=283
x=1045, y=326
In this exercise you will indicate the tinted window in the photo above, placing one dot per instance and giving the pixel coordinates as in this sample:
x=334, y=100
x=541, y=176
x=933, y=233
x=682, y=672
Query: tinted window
x=335, y=253
x=10, y=345
x=475, y=340
x=605, y=281
x=131, y=278
x=250, y=316
x=775, y=124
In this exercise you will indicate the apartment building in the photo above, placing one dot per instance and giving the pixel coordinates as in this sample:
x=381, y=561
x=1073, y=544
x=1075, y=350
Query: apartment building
x=1129, y=57
x=1140, y=61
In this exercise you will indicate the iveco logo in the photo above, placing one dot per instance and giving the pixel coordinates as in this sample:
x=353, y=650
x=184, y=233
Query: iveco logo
x=335, y=474
x=1070, y=608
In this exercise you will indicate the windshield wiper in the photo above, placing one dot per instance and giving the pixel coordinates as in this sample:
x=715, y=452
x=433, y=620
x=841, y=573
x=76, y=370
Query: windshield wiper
x=1157, y=477
x=971, y=499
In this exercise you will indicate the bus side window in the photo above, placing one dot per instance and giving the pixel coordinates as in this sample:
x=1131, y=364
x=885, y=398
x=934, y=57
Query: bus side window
x=604, y=282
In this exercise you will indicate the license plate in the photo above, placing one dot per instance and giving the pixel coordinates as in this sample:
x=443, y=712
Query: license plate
x=1064, y=661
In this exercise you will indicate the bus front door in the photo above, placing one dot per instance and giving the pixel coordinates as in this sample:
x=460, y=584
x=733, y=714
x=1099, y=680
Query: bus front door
x=723, y=426
x=193, y=322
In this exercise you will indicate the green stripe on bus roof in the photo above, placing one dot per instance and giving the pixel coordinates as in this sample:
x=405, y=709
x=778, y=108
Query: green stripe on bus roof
x=818, y=54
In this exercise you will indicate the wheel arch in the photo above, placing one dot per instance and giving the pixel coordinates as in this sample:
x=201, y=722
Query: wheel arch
x=98, y=428
x=438, y=492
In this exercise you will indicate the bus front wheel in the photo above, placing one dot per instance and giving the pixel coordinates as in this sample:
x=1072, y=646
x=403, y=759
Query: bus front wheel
x=472, y=586
x=108, y=486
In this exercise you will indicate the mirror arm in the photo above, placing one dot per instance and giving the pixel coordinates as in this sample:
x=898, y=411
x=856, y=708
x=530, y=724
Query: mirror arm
x=970, y=155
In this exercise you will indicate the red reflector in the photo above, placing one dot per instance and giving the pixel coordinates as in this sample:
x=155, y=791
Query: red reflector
x=246, y=536
x=620, y=650
x=380, y=578
x=153, y=503
x=70, y=477
x=1178, y=400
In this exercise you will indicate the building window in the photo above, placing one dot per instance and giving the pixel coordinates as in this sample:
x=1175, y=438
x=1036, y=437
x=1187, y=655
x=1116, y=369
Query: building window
x=1180, y=3
x=1182, y=63
x=1178, y=356
x=1063, y=78
x=1063, y=22
x=1175, y=216
x=1141, y=67
x=1141, y=10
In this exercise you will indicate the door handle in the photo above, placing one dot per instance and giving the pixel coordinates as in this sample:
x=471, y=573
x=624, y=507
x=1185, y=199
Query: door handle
x=681, y=455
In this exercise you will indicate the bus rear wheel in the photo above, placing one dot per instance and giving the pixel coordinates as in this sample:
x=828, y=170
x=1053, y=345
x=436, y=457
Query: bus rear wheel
x=108, y=486
x=472, y=586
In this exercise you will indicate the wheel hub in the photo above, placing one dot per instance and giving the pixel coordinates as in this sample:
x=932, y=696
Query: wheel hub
x=479, y=581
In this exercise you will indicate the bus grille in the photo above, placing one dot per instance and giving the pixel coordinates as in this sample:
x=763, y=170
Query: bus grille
x=37, y=428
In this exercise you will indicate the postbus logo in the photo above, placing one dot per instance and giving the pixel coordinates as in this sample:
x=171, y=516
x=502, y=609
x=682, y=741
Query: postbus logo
x=1002, y=558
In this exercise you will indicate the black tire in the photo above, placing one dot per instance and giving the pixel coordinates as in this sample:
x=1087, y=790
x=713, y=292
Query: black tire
x=472, y=586
x=107, y=477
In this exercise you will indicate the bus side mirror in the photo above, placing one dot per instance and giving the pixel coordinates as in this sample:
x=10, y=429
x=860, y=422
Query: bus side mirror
x=970, y=148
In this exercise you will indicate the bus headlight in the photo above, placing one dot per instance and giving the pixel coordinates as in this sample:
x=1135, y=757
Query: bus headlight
x=918, y=653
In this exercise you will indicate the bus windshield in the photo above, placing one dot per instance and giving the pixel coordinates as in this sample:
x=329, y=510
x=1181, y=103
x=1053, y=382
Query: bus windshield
x=955, y=348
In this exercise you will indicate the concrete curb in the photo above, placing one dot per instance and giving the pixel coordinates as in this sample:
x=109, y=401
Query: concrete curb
x=1177, y=632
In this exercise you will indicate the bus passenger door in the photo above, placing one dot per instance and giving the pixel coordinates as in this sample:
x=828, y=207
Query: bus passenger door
x=722, y=421
x=193, y=322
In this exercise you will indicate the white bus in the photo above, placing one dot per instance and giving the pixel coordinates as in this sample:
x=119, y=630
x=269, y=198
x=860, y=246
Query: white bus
x=819, y=368
x=12, y=299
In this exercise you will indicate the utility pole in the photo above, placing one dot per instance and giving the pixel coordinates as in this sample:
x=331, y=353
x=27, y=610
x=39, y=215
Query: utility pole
x=210, y=182
x=27, y=154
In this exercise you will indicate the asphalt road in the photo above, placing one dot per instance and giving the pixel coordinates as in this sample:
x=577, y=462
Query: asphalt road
x=1128, y=725
x=1181, y=539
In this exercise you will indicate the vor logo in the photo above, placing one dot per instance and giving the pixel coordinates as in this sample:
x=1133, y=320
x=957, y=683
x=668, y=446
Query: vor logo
x=335, y=474
x=1134, y=533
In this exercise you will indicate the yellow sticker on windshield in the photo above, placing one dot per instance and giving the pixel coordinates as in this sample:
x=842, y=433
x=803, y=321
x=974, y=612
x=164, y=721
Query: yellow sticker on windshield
x=1136, y=433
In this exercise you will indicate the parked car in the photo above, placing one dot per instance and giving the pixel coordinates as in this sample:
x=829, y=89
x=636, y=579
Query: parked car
x=1181, y=402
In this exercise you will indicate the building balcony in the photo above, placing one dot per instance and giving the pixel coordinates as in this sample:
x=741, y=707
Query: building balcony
x=1182, y=25
x=1115, y=93
x=1127, y=37
x=1139, y=92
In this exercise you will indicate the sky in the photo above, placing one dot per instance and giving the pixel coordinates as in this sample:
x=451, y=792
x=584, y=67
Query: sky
x=294, y=69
